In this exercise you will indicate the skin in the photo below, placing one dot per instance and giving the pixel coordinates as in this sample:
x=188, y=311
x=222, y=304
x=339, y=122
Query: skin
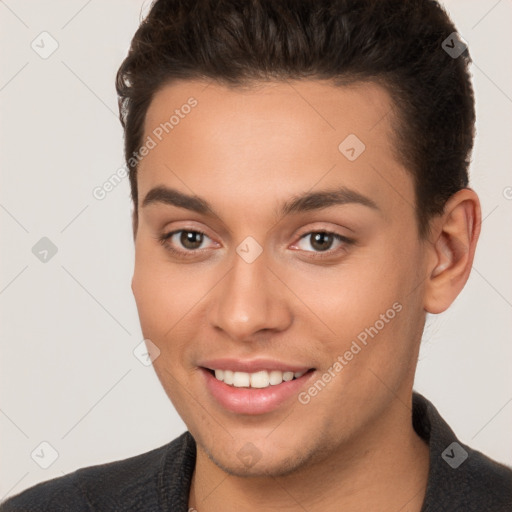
x=352, y=447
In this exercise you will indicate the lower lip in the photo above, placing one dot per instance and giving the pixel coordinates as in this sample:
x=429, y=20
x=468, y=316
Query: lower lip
x=253, y=400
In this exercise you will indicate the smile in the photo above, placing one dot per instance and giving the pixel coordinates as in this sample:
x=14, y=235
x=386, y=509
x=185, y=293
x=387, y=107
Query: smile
x=255, y=392
x=260, y=379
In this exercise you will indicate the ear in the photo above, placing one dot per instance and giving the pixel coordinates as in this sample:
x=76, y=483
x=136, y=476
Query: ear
x=454, y=236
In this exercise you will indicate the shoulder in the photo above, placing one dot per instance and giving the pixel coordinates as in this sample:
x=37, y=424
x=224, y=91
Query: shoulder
x=58, y=494
x=117, y=485
x=478, y=483
x=486, y=473
x=460, y=478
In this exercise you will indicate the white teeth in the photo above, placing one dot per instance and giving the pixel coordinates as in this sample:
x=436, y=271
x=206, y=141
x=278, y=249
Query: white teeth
x=261, y=379
x=275, y=377
x=287, y=376
x=228, y=377
x=241, y=380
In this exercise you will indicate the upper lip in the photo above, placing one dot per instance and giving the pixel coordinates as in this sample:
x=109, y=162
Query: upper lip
x=252, y=365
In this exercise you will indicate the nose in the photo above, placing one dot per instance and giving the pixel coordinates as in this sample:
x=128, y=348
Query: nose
x=249, y=300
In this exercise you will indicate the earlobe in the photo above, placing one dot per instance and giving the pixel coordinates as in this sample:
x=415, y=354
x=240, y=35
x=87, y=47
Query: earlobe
x=452, y=250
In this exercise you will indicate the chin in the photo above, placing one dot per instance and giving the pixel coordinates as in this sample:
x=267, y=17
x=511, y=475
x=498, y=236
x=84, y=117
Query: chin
x=271, y=465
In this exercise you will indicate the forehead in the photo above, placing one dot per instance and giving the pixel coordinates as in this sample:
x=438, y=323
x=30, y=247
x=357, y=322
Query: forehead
x=309, y=109
x=272, y=140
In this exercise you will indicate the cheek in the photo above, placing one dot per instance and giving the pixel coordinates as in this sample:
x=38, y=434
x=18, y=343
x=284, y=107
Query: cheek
x=367, y=303
x=169, y=298
x=158, y=294
x=351, y=296
x=385, y=319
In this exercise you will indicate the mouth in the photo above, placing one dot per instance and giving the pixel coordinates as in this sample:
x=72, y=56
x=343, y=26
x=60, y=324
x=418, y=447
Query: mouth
x=253, y=393
x=260, y=380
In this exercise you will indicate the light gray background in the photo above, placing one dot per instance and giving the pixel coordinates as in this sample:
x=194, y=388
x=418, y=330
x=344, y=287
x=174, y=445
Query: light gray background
x=69, y=326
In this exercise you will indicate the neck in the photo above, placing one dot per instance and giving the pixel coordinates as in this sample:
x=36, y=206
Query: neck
x=385, y=469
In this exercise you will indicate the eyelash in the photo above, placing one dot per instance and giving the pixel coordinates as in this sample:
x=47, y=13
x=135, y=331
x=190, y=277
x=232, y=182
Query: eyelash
x=163, y=239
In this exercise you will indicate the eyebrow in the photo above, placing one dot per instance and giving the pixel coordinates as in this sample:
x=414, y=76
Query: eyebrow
x=308, y=201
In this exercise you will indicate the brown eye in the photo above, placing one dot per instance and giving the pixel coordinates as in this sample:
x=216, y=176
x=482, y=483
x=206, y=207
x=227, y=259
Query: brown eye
x=184, y=242
x=326, y=244
x=322, y=241
x=191, y=239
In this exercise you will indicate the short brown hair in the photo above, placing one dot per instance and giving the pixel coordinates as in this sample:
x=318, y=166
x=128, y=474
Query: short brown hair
x=396, y=43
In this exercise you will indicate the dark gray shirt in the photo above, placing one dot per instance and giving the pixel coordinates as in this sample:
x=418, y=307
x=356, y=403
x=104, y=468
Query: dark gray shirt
x=460, y=479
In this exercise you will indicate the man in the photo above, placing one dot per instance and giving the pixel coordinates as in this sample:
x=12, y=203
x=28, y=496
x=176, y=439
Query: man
x=301, y=201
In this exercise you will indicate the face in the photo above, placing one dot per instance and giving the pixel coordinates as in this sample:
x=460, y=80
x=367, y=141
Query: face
x=271, y=241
